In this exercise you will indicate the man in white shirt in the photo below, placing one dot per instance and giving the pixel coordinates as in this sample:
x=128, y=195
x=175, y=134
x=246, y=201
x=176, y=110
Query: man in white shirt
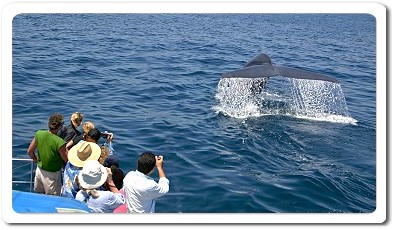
x=141, y=191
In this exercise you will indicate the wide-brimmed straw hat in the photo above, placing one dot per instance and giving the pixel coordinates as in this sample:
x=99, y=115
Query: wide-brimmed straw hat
x=92, y=175
x=82, y=152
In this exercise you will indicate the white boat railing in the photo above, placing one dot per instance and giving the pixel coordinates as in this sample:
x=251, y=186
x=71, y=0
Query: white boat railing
x=14, y=170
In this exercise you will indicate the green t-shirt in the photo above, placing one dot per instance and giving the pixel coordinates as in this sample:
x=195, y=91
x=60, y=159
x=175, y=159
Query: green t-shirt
x=48, y=145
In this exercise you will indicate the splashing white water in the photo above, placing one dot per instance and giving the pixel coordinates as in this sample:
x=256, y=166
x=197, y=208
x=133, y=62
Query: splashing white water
x=301, y=98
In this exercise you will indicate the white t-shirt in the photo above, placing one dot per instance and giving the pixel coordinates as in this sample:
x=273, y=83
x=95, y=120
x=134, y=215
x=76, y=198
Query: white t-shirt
x=141, y=191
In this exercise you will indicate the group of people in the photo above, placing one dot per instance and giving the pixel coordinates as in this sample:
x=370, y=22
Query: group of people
x=73, y=164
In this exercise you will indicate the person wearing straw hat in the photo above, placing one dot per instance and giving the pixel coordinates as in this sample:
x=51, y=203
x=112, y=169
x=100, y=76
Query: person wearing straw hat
x=77, y=156
x=90, y=178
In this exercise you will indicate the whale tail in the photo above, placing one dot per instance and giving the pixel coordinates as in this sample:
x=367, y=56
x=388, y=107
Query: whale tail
x=261, y=67
x=259, y=59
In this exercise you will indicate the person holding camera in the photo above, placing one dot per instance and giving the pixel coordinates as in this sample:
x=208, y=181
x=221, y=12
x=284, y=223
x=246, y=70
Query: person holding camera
x=141, y=191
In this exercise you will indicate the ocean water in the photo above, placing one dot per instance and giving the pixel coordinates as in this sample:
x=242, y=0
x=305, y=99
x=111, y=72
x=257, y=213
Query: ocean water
x=154, y=80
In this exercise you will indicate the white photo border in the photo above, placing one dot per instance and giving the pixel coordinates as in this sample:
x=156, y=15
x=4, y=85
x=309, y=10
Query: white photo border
x=11, y=9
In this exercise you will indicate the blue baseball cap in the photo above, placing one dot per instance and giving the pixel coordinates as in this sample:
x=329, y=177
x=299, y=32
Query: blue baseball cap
x=111, y=160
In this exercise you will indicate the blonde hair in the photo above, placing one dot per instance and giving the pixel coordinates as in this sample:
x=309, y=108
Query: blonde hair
x=104, y=154
x=90, y=192
x=86, y=127
x=76, y=119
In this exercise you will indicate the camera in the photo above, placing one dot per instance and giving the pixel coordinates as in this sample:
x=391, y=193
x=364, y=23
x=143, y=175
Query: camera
x=104, y=135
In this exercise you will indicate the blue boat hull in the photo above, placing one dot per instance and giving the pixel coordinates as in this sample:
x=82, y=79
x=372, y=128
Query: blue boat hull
x=27, y=202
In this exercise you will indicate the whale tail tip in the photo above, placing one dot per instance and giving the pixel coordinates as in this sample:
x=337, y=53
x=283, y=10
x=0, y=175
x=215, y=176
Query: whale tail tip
x=259, y=60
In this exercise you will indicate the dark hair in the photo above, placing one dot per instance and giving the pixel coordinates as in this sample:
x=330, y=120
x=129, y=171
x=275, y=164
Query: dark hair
x=146, y=162
x=95, y=134
x=117, y=176
x=110, y=161
x=55, y=121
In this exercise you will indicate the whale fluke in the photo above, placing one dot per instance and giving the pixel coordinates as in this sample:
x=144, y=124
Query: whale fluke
x=261, y=67
x=256, y=71
x=302, y=74
x=259, y=60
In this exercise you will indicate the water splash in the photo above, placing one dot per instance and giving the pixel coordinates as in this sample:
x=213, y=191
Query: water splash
x=235, y=98
x=301, y=98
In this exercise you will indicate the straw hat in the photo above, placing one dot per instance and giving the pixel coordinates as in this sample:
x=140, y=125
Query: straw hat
x=92, y=175
x=82, y=152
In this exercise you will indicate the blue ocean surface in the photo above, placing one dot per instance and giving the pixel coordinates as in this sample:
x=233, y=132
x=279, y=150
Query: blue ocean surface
x=154, y=80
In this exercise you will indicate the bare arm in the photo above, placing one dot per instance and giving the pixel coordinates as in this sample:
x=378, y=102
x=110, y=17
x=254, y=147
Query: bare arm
x=63, y=153
x=69, y=144
x=31, y=149
x=159, y=166
x=163, y=186
x=110, y=182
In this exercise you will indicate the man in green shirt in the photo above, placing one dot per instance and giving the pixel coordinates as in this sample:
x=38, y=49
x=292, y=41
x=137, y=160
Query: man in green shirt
x=51, y=157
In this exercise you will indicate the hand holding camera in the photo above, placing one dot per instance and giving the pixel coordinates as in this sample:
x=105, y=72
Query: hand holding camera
x=107, y=135
x=159, y=161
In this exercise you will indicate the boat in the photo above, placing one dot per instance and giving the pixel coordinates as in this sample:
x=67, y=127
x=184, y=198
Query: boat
x=31, y=202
